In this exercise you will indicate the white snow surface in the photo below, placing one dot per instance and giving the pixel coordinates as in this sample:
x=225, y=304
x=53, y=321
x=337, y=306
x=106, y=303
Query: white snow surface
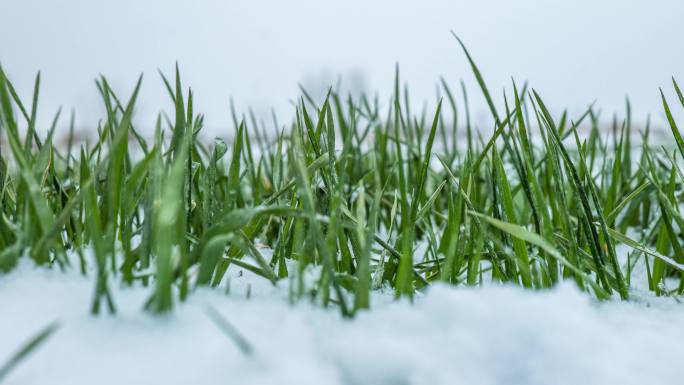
x=449, y=335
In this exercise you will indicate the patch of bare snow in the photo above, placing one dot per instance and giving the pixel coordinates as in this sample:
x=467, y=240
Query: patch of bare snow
x=449, y=335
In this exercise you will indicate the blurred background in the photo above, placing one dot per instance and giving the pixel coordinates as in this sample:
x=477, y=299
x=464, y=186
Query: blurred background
x=257, y=51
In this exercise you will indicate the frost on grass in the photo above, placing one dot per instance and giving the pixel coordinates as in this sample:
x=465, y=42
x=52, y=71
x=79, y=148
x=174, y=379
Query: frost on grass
x=490, y=335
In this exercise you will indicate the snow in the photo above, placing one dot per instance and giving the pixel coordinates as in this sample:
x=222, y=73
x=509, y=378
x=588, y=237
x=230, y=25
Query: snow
x=449, y=335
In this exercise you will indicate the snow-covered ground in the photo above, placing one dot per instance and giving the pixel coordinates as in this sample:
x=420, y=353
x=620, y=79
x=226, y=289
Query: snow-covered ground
x=450, y=335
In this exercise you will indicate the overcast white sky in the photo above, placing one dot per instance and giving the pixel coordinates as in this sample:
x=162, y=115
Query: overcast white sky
x=256, y=51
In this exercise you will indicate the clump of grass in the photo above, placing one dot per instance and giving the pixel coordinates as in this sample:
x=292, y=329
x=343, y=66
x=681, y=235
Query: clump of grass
x=350, y=187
